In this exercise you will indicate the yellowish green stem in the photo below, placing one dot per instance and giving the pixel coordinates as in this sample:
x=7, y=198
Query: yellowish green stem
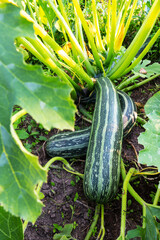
x=73, y=40
x=89, y=36
x=113, y=31
x=143, y=53
x=99, y=41
x=61, y=53
x=137, y=42
x=94, y=223
x=124, y=201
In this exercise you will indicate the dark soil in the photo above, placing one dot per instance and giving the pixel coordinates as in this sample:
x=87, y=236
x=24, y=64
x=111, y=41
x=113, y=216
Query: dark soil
x=61, y=206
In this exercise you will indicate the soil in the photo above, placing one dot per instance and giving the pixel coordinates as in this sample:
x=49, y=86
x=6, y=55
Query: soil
x=64, y=200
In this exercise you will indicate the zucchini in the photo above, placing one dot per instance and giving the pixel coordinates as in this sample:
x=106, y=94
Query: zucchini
x=75, y=144
x=129, y=112
x=68, y=144
x=102, y=165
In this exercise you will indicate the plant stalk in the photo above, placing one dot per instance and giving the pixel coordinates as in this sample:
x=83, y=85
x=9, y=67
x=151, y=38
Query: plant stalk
x=102, y=229
x=113, y=31
x=143, y=53
x=73, y=40
x=137, y=42
x=157, y=196
x=124, y=201
x=89, y=36
x=94, y=223
x=62, y=54
x=99, y=42
x=127, y=81
x=136, y=85
x=130, y=189
x=141, y=120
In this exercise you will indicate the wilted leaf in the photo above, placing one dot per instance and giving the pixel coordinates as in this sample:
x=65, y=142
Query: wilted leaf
x=150, y=155
x=10, y=226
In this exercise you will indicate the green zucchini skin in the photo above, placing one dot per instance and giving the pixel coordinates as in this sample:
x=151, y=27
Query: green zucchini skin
x=102, y=165
x=68, y=144
x=129, y=112
x=75, y=144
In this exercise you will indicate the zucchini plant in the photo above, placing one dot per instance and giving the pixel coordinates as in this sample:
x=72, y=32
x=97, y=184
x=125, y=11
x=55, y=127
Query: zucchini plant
x=75, y=144
x=73, y=63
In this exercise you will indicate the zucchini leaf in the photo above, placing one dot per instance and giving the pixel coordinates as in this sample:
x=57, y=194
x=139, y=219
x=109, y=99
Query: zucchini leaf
x=151, y=230
x=150, y=69
x=46, y=99
x=10, y=226
x=150, y=139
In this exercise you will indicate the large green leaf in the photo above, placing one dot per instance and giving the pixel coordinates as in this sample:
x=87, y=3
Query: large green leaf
x=151, y=231
x=150, y=155
x=46, y=99
x=10, y=226
x=151, y=225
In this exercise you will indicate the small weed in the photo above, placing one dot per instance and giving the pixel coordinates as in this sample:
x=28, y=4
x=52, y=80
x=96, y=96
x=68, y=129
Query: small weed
x=53, y=191
x=129, y=202
x=77, y=179
x=22, y=134
x=89, y=212
x=56, y=228
x=136, y=183
x=75, y=225
x=53, y=184
x=64, y=232
x=76, y=197
x=119, y=196
x=73, y=210
x=62, y=215
x=72, y=183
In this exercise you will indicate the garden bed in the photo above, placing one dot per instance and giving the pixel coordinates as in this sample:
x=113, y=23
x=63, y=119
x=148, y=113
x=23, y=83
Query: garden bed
x=64, y=200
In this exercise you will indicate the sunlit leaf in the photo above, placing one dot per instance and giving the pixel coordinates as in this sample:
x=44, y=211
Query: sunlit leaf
x=119, y=38
x=92, y=28
x=46, y=99
x=150, y=139
x=150, y=70
x=42, y=15
x=67, y=47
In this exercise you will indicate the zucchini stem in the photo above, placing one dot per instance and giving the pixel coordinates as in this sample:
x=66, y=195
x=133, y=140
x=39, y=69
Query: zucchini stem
x=85, y=112
x=102, y=229
x=157, y=196
x=94, y=223
x=141, y=120
x=136, y=85
x=124, y=202
x=130, y=189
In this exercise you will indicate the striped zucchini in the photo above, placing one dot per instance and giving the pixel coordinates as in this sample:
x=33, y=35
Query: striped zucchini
x=129, y=112
x=128, y=107
x=75, y=144
x=68, y=144
x=102, y=166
